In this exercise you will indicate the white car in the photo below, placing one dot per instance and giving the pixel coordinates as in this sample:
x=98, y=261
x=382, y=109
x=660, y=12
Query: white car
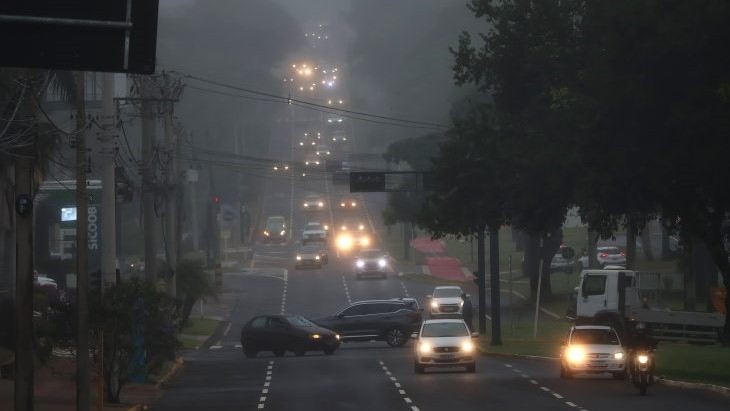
x=606, y=256
x=372, y=262
x=445, y=343
x=592, y=349
x=313, y=202
x=314, y=232
x=445, y=301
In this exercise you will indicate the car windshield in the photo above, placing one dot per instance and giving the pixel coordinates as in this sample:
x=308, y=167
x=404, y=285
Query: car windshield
x=445, y=329
x=371, y=254
x=447, y=292
x=594, y=336
x=299, y=321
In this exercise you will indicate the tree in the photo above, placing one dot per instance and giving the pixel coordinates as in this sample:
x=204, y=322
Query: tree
x=193, y=284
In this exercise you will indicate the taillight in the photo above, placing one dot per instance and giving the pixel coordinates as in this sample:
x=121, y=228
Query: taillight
x=603, y=255
x=623, y=254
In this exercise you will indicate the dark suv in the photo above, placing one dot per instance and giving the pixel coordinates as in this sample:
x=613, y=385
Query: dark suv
x=392, y=321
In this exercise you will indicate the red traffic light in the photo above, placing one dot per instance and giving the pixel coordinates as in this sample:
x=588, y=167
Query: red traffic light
x=217, y=199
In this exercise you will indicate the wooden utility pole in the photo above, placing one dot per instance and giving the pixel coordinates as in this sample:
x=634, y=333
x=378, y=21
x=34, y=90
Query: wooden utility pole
x=82, y=263
x=148, y=183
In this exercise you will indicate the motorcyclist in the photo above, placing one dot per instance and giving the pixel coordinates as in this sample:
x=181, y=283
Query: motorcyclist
x=641, y=341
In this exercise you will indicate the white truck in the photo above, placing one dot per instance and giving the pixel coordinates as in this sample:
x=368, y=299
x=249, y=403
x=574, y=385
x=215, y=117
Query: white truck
x=613, y=297
x=314, y=232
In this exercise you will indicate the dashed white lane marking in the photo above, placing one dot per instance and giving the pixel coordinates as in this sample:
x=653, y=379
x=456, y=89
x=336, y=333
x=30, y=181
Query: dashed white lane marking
x=347, y=290
x=508, y=365
x=570, y=404
x=267, y=384
x=216, y=347
x=558, y=396
x=283, y=298
x=228, y=329
x=398, y=386
x=534, y=382
x=524, y=376
x=545, y=389
x=405, y=289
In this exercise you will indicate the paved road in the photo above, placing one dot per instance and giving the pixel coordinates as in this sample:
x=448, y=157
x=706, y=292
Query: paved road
x=370, y=375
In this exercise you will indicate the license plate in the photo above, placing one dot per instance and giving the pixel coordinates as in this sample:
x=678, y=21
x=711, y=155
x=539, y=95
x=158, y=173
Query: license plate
x=595, y=364
x=447, y=356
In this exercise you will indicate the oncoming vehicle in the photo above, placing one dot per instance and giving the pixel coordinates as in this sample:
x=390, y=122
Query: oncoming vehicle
x=592, y=349
x=352, y=235
x=312, y=161
x=275, y=230
x=445, y=343
x=369, y=263
x=308, y=256
x=348, y=203
x=392, y=321
x=314, y=232
x=313, y=202
x=445, y=301
x=322, y=150
x=282, y=333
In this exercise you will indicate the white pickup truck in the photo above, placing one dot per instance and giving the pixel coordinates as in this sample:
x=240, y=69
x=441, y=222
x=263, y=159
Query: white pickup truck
x=314, y=232
x=612, y=297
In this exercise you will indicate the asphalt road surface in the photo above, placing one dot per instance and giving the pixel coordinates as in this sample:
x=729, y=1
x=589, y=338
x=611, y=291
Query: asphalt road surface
x=368, y=375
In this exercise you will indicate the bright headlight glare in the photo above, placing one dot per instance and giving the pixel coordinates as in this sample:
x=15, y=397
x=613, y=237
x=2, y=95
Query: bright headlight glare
x=575, y=354
x=306, y=205
x=365, y=241
x=354, y=204
x=643, y=359
x=361, y=227
x=321, y=204
x=360, y=263
x=618, y=356
x=266, y=233
x=282, y=232
x=316, y=257
x=342, y=204
x=382, y=263
x=467, y=346
x=315, y=336
x=424, y=347
x=337, y=336
x=434, y=304
x=299, y=258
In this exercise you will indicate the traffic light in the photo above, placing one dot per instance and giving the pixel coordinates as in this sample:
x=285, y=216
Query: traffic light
x=217, y=203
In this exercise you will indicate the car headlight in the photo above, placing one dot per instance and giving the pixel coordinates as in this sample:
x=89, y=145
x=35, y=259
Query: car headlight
x=364, y=241
x=337, y=336
x=316, y=336
x=353, y=204
x=344, y=242
x=575, y=354
x=299, y=258
x=326, y=227
x=316, y=163
x=321, y=204
x=434, y=304
x=360, y=263
x=316, y=257
x=306, y=205
x=306, y=163
x=344, y=227
x=424, y=347
x=618, y=356
x=342, y=204
x=467, y=346
x=643, y=359
x=382, y=263
x=282, y=232
x=361, y=227
x=266, y=233
x=461, y=303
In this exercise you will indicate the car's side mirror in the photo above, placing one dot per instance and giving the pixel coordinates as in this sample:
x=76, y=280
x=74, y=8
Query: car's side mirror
x=474, y=335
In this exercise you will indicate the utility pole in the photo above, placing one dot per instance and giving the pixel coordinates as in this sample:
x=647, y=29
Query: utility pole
x=494, y=279
x=108, y=187
x=170, y=200
x=82, y=263
x=148, y=183
x=481, y=281
x=24, y=357
x=195, y=225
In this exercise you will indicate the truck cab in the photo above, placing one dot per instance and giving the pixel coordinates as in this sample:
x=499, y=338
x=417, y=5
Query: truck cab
x=599, y=291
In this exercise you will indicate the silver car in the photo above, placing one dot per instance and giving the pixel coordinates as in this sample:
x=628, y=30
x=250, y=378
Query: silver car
x=446, y=301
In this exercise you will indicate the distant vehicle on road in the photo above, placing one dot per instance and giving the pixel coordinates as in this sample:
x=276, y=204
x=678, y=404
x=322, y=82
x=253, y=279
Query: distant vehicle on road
x=392, y=321
x=323, y=150
x=308, y=256
x=348, y=203
x=335, y=119
x=606, y=256
x=445, y=343
x=282, y=333
x=352, y=235
x=371, y=263
x=275, y=230
x=592, y=349
x=313, y=161
x=314, y=232
x=445, y=301
x=339, y=137
x=313, y=202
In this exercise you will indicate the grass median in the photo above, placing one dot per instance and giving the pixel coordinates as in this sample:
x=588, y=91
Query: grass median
x=197, y=331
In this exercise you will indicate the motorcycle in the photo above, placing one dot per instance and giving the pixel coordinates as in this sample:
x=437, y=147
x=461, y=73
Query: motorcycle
x=642, y=373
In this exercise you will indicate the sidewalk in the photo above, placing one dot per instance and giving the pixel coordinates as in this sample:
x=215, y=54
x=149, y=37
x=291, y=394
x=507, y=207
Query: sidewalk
x=438, y=263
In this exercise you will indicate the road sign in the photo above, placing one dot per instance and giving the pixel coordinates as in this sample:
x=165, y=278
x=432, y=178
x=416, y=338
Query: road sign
x=86, y=35
x=389, y=181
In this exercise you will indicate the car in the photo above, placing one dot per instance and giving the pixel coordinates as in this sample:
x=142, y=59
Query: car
x=314, y=232
x=322, y=150
x=313, y=202
x=312, y=161
x=609, y=255
x=335, y=119
x=371, y=262
x=351, y=224
x=322, y=250
x=348, y=203
x=392, y=321
x=275, y=230
x=339, y=137
x=560, y=264
x=281, y=167
x=445, y=301
x=352, y=235
x=445, y=343
x=592, y=349
x=308, y=256
x=282, y=333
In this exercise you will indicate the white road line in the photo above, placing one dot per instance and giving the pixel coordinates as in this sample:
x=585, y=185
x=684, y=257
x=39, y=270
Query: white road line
x=570, y=404
x=388, y=373
x=238, y=346
x=405, y=289
x=508, y=365
x=262, y=399
x=397, y=385
x=534, y=382
x=408, y=400
x=414, y=408
x=216, y=347
x=524, y=376
x=516, y=370
x=545, y=389
x=265, y=391
x=402, y=392
x=228, y=329
x=261, y=406
x=267, y=384
x=558, y=396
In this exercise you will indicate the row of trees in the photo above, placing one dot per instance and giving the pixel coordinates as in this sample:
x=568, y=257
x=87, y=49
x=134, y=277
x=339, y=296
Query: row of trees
x=621, y=108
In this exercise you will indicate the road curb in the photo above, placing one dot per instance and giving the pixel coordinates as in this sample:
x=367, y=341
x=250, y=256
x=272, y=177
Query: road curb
x=696, y=385
x=518, y=356
x=176, y=367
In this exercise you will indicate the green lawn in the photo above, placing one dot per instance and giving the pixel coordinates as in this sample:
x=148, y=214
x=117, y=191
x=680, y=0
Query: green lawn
x=189, y=343
x=198, y=326
x=517, y=336
x=697, y=363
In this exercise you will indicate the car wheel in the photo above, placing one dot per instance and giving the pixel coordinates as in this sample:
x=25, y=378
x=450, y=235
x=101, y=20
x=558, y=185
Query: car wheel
x=249, y=350
x=279, y=352
x=471, y=368
x=329, y=350
x=418, y=368
x=395, y=337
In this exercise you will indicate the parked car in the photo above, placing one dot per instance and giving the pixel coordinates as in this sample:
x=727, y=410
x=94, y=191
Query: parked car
x=282, y=333
x=445, y=301
x=592, y=349
x=445, y=343
x=606, y=256
x=372, y=262
x=392, y=321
